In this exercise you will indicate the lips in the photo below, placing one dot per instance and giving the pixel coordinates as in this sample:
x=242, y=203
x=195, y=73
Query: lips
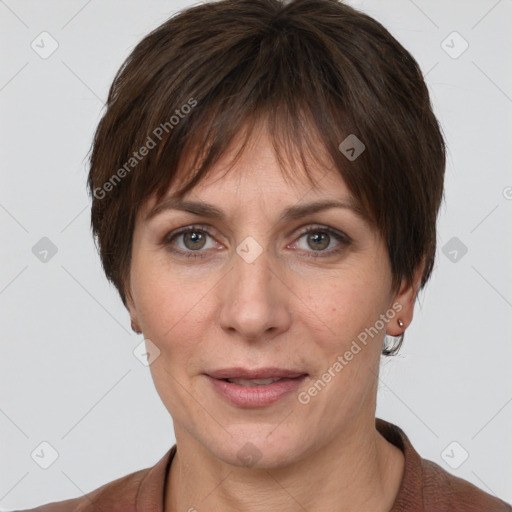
x=246, y=374
x=252, y=382
x=258, y=387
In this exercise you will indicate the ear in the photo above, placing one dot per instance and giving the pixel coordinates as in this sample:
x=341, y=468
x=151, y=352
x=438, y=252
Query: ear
x=406, y=297
x=132, y=310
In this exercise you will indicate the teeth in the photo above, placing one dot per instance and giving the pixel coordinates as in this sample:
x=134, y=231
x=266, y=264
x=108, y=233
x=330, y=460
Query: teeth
x=253, y=382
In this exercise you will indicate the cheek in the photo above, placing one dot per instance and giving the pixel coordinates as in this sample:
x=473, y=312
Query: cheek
x=346, y=346
x=176, y=312
x=347, y=304
x=165, y=298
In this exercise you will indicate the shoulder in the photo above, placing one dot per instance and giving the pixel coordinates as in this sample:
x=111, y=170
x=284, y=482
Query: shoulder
x=444, y=491
x=140, y=490
x=427, y=487
x=119, y=495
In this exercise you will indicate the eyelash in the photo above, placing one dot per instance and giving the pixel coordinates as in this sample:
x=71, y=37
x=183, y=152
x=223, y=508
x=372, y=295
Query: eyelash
x=340, y=237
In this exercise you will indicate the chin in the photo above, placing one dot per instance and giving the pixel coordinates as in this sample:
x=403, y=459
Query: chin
x=260, y=446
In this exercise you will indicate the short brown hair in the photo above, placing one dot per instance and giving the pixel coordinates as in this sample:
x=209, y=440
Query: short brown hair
x=308, y=67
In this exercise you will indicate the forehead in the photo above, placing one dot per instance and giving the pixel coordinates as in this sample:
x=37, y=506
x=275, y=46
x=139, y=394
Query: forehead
x=258, y=177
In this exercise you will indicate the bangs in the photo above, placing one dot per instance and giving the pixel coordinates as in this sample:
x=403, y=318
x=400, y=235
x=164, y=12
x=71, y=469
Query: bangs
x=305, y=122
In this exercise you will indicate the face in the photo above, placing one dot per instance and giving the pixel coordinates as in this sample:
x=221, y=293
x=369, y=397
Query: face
x=253, y=295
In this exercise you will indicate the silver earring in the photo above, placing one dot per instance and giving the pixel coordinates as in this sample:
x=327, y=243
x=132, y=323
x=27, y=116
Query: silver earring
x=394, y=350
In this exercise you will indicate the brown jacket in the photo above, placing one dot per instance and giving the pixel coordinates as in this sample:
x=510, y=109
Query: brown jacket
x=425, y=487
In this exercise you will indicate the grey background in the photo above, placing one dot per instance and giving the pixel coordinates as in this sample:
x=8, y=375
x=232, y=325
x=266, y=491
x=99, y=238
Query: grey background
x=68, y=375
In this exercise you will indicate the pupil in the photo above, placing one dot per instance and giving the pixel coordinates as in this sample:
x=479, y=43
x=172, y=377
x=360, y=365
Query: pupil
x=195, y=237
x=318, y=237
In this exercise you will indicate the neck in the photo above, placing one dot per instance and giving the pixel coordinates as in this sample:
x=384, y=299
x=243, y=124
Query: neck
x=359, y=470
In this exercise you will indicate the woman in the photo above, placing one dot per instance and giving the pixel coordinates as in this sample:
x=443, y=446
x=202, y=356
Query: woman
x=266, y=281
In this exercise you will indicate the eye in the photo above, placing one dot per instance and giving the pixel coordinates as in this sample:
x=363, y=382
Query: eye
x=194, y=239
x=320, y=237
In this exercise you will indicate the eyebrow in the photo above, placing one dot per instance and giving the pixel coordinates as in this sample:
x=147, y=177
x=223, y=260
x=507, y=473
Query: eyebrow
x=294, y=212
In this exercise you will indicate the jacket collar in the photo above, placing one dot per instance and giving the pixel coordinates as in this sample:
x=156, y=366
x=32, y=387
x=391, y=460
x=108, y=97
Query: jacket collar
x=151, y=494
x=410, y=494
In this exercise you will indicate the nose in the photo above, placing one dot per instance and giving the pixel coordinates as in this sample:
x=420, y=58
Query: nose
x=254, y=300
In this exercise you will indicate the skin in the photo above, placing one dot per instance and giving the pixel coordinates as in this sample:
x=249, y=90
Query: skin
x=285, y=309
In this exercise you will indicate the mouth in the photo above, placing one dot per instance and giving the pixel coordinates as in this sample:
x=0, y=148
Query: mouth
x=255, y=374
x=253, y=382
x=255, y=388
